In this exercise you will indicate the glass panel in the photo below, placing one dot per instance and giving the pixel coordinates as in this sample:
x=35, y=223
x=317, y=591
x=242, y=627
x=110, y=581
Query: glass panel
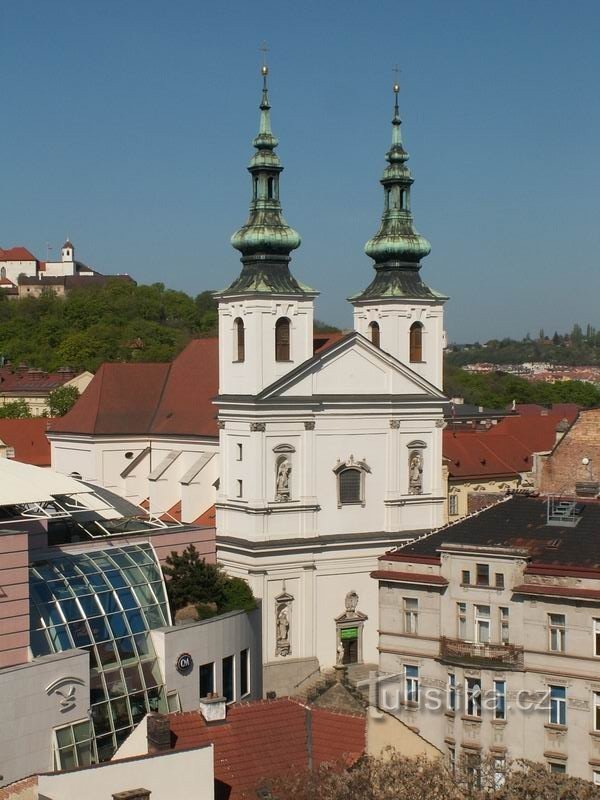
x=151, y=672
x=67, y=758
x=228, y=679
x=97, y=581
x=144, y=595
x=108, y=602
x=139, y=707
x=84, y=754
x=133, y=679
x=105, y=747
x=101, y=719
x=59, y=638
x=142, y=642
x=107, y=654
x=125, y=648
x=116, y=579
x=117, y=625
x=79, y=632
x=99, y=629
x=154, y=617
x=136, y=621
x=115, y=684
x=156, y=699
x=90, y=606
x=81, y=731
x=120, y=713
x=64, y=736
x=127, y=599
x=97, y=692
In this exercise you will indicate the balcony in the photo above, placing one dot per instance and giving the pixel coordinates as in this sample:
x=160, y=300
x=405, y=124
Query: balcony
x=486, y=656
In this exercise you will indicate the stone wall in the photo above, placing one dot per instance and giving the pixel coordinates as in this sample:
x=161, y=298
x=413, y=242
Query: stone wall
x=562, y=469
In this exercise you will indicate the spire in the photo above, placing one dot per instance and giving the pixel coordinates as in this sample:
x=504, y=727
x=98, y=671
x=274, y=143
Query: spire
x=266, y=240
x=397, y=248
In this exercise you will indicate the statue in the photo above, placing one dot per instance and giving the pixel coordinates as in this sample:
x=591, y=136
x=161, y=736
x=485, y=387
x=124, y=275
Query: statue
x=283, y=480
x=340, y=653
x=415, y=473
x=351, y=602
x=282, y=624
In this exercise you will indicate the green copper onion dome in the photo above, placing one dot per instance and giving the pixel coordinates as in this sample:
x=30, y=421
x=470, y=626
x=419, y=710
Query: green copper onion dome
x=397, y=248
x=266, y=231
x=396, y=239
x=266, y=240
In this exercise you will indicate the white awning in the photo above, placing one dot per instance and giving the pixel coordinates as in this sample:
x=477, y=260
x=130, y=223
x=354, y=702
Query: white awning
x=24, y=483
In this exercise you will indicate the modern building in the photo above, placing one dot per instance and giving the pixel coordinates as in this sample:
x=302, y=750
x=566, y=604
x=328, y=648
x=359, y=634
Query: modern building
x=87, y=645
x=490, y=634
x=24, y=275
x=318, y=460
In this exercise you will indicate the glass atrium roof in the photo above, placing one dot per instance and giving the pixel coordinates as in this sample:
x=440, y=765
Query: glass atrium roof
x=106, y=602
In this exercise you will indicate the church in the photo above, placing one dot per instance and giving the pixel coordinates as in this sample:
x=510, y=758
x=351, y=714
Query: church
x=318, y=456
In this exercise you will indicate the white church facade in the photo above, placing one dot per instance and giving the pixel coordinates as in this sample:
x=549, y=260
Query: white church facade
x=324, y=459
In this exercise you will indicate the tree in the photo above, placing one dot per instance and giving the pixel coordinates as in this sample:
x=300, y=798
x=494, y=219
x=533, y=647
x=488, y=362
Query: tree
x=396, y=777
x=62, y=400
x=17, y=409
x=191, y=581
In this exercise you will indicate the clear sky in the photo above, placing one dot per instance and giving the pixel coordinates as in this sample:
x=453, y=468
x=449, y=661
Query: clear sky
x=127, y=125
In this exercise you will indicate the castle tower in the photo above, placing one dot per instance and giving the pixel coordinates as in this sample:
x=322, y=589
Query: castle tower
x=265, y=315
x=398, y=311
x=67, y=252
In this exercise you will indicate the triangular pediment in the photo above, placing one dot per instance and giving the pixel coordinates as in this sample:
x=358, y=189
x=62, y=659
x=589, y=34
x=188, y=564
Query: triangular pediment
x=350, y=367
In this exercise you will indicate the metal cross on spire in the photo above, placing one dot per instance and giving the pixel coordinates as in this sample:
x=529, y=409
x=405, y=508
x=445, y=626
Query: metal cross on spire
x=264, y=50
x=396, y=71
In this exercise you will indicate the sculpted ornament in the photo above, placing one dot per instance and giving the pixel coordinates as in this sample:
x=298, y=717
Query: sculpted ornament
x=415, y=472
x=284, y=469
x=283, y=613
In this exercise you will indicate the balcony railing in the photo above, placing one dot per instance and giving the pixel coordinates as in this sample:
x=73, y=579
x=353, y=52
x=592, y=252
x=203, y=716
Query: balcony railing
x=508, y=656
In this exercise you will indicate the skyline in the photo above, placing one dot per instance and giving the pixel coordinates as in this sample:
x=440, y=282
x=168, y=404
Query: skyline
x=144, y=117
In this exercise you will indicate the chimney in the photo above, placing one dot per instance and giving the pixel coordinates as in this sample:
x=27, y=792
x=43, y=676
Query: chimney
x=213, y=708
x=158, y=733
x=133, y=794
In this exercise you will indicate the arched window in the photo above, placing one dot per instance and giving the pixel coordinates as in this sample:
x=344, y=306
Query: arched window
x=255, y=188
x=239, y=342
x=416, y=342
x=402, y=199
x=387, y=199
x=282, y=339
x=350, y=486
x=3, y=272
x=375, y=333
x=270, y=183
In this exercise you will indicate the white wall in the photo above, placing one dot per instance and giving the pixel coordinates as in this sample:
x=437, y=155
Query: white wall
x=175, y=775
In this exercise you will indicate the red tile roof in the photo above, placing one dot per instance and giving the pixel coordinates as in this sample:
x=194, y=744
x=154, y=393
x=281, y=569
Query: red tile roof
x=24, y=380
x=407, y=577
x=207, y=519
x=542, y=590
x=139, y=399
x=506, y=448
x=266, y=739
x=16, y=254
x=28, y=437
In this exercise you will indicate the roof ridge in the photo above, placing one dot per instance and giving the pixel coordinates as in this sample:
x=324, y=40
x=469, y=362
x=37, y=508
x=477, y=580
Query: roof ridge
x=100, y=372
x=161, y=394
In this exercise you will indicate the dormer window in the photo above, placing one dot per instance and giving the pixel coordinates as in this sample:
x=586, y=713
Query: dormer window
x=416, y=342
x=282, y=339
x=239, y=340
x=375, y=333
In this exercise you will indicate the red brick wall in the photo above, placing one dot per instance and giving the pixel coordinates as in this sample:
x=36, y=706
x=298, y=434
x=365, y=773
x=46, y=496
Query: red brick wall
x=562, y=469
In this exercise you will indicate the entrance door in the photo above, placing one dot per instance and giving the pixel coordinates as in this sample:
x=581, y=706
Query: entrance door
x=349, y=639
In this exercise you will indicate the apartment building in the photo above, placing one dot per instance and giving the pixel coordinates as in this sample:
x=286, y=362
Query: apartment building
x=490, y=635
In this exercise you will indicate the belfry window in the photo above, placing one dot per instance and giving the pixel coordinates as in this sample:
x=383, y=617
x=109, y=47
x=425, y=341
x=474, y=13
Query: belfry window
x=282, y=339
x=416, y=342
x=403, y=199
x=240, y=342
x=255, y=188
x=270, y=188
x=375, y=333
x=3, y=273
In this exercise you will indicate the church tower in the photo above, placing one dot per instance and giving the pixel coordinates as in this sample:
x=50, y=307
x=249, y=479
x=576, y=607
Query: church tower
x=398, y=311
x=265, y=315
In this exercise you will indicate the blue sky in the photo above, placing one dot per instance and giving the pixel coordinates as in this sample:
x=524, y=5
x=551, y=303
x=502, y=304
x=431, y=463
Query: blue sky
x=127, y=126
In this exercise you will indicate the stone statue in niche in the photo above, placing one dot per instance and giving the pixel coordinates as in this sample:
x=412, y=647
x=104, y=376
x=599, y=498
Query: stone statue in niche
x=415, y=473
x=340, y=654
x=282, y=481
x=282, y=625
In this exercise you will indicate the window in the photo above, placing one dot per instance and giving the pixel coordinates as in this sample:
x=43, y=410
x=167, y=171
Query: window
x=461, y=610
x=466, y=577
x=411, y=683
x=451, y=700
x=240, y=344
x=207, y=679
x=240, y=451
x=596, y=777
x=350, y=486
x=255, y=188
x=557, y=632
x=411, y=614
x=240, y=488
x=73, y=746
x=375, y=334
x=499, y=580
x=504, y=633
x=499, y=772
x=473, y=771
x=473, y=697
x=228, y=679
x=558, y=705
x=270, y=183
x=597, y=637
x=452, y=759
x=282, y=339
x=3, y=272
x=500, y=699
x=402, y=199
x=596, y=711
x=558, y=769
x=416, y=342
x=244, y=673
x=453, y=505
x=482, y=624
x=483, y=575
x=173, y=703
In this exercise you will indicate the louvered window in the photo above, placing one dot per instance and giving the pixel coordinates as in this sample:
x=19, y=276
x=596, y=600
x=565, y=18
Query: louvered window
x=375, y=334
x=282, y=339
x=350, y=485
x=416, y=342
x=240, y=342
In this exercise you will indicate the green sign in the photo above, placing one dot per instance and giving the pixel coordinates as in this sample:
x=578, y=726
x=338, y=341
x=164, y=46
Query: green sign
x=349, y=633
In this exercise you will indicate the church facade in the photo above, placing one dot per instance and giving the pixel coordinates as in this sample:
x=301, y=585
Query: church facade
x=326, y=458
x=318, y=457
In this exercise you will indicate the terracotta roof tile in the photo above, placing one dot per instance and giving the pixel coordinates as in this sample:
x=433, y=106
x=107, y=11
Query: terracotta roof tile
x=28, y=437
x=266, y=739
x=16, y=254
x=208, y=518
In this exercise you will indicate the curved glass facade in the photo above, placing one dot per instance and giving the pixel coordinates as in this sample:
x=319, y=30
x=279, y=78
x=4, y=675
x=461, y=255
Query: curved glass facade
x=106, y=602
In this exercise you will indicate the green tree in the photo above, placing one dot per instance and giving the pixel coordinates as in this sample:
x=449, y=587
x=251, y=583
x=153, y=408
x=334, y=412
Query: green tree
x=191, y=581
x=62, y=400
x=17, y=409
